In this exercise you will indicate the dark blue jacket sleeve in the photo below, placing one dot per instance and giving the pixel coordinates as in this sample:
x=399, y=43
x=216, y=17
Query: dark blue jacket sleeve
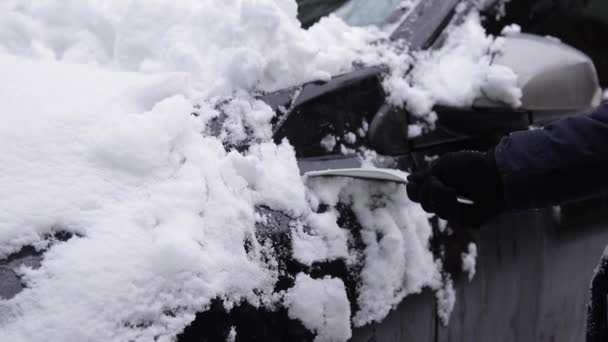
x=564, y=161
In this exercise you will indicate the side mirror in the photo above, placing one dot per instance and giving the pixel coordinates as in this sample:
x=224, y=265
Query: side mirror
x=553, y=76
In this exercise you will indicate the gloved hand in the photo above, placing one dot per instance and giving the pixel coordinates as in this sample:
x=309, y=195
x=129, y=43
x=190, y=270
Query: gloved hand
x=472, y=175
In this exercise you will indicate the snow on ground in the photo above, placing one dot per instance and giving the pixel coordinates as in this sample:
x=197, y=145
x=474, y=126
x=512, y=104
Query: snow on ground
x=98, y=138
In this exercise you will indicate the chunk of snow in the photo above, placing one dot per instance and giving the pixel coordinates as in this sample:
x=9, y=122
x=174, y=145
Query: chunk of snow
x=469, y=261
x=328, y=142
x=231, y=335
x=414, y=130
x=347, y=151
x=511, y=30
x=322, y=306
x=350, y=138
x=222, y=45
x=326, y=241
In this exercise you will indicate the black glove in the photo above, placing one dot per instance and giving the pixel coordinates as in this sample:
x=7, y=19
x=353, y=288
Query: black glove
x=472, y=175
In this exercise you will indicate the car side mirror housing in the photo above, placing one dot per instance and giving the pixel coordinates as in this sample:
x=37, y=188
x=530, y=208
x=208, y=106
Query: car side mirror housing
x=552, y=75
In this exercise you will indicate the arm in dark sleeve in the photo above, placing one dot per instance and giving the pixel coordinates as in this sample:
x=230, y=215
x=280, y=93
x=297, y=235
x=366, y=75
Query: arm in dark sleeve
x=566, y=160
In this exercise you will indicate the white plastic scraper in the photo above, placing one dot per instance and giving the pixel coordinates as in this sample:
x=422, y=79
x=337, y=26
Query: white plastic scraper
x=384, y=175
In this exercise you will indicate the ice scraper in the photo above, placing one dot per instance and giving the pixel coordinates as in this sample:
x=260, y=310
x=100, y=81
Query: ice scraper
x=384, y=175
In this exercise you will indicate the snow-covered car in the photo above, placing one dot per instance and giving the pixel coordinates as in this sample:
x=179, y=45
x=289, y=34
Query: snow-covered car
x=335, y=124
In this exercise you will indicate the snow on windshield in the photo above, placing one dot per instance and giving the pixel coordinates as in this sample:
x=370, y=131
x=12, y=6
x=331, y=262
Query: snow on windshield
x=103, y=133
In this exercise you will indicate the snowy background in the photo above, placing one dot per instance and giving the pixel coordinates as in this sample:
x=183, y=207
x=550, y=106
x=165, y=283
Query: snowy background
x=98, y=139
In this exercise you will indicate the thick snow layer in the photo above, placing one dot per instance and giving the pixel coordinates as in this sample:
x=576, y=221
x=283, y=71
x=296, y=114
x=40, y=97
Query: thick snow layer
x=222, y=45
x=322, y=306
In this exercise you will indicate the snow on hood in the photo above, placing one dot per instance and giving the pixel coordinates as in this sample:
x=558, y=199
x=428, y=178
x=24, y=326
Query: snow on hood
x=104, y=108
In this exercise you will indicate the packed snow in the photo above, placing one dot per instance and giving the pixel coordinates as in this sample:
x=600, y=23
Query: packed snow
x=104, y=133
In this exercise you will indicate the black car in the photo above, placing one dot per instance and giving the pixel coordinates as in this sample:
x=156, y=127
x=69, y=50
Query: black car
x=508, y=300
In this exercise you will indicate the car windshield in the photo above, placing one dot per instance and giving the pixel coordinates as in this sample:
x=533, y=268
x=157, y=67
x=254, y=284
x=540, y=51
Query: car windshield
x=354, y=12
x=365, y=12
x=422, y=17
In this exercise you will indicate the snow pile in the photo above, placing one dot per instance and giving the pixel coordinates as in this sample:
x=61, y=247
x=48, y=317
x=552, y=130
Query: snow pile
x=512, y=29
x=457, y=74
x=221, y=45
